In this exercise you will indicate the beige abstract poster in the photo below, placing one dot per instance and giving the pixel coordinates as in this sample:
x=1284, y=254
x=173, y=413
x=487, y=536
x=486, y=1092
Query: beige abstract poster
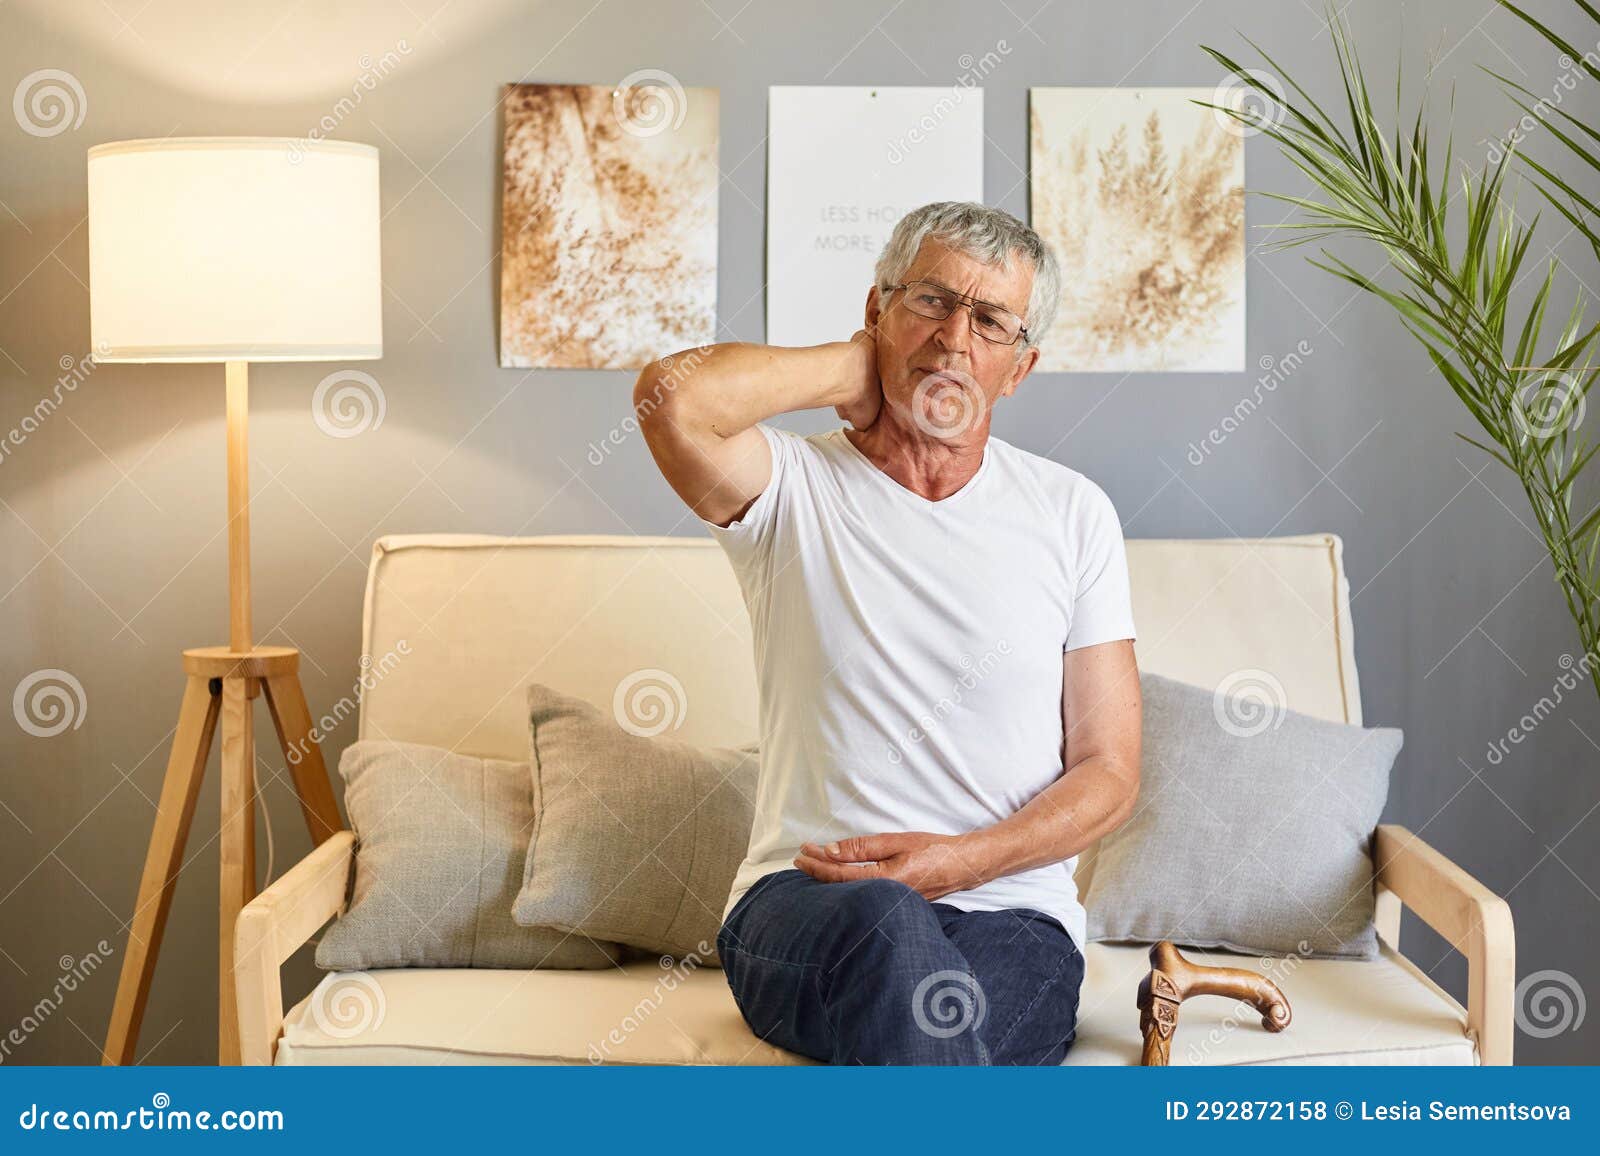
x=608, y=253
x=1141, y=194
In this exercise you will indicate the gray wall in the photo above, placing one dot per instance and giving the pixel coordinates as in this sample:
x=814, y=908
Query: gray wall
x=112, y=520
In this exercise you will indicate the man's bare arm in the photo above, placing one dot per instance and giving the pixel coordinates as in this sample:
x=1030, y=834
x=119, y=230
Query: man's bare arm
x=1102, y=714
x=699, y=411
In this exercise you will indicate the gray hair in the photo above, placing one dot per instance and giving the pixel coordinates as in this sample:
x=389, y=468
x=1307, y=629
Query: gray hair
x=985, y=234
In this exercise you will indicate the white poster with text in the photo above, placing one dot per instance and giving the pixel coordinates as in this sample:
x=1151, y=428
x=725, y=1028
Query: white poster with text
x=844, y=164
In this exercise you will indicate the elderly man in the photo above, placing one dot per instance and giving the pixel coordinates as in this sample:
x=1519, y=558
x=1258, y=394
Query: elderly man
x=949, y=701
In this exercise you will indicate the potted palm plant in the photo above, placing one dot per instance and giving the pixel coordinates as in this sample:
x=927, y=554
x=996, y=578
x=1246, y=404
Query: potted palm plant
x=1456, y=249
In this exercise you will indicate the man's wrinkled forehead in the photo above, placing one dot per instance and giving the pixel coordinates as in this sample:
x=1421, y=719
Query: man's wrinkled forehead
x=953, y=269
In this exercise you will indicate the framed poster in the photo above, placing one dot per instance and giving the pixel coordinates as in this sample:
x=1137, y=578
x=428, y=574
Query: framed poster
x=608, y=228
x=1141, y=194
x=843, y=165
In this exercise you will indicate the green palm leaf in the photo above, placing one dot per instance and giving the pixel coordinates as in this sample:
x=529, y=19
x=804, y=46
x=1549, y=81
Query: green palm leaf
x=1457, y=299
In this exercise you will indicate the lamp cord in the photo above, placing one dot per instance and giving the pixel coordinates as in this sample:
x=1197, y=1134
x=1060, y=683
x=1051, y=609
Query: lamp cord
x=266, y=816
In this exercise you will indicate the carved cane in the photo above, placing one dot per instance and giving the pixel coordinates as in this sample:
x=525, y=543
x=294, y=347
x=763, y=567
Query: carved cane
x=1173, y=979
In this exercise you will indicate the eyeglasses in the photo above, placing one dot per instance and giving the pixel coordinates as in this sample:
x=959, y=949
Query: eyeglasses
x=934, y=301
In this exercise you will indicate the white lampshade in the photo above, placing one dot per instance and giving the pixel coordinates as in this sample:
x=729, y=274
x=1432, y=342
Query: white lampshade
x=234, y=249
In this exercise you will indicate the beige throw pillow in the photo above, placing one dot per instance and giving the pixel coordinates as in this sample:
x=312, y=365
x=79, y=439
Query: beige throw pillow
x=636, y=839
x=1253, y=830
x=440, y=841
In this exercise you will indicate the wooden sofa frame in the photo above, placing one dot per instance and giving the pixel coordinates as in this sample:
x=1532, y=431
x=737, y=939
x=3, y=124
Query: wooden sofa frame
x=1409, y=873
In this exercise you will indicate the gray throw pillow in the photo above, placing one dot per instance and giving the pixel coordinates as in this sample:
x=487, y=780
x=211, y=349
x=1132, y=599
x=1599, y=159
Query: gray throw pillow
x=440, y=840
x=637, y=839
x=1252, y=832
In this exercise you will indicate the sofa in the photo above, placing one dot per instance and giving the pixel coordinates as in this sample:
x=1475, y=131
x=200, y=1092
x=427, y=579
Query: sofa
x=477, y=618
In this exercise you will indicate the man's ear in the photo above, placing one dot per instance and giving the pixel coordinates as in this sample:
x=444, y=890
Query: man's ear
x=1021, y=370
x=874, y=308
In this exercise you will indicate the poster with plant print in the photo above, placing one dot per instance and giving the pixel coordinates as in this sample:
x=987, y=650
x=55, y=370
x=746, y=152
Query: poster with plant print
x=1141, y=194
x=844, y=164
x=608, y=247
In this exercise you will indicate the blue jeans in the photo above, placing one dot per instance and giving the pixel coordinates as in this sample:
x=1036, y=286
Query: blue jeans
x=870, y=972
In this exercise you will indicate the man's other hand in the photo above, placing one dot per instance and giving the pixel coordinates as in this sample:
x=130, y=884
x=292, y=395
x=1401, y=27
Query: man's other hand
x=934, y=865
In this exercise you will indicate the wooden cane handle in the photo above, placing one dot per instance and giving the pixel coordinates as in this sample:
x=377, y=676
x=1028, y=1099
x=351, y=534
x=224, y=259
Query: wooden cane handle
x=1173, y=979
x=1198, y=979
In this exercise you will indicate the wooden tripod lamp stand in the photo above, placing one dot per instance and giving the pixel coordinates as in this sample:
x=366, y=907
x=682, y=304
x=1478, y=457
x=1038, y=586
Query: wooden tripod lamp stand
x=232, y=250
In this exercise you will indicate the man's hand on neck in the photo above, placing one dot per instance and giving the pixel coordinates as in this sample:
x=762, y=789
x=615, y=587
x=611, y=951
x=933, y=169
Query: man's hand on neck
x=863, y=409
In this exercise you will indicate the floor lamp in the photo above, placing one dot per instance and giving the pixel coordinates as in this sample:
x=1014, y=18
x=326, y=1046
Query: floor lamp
x=232, y=250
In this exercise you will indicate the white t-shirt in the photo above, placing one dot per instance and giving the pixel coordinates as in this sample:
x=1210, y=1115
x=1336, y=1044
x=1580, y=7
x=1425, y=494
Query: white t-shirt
x=909, y=652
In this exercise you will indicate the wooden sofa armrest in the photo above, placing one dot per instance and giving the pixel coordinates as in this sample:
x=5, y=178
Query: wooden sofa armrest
x=272, y=927
x=1474, y=919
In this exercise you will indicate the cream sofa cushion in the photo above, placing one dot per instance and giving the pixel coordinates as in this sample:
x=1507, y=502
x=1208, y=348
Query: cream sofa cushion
x=456, y=625
x=1382, y=1011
